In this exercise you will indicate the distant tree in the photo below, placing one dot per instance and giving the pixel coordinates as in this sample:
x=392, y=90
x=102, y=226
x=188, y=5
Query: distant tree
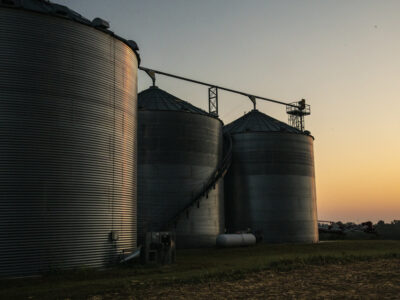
x=340, y=224
x=381, y=222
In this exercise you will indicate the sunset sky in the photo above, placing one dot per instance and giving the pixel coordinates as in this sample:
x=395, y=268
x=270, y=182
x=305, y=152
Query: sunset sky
x=343, y=57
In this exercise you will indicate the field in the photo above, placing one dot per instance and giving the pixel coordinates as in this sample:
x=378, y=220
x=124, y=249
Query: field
x=329, y=269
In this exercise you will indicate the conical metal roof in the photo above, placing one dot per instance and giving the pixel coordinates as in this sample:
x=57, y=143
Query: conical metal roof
x=256, y=121
x=157, y=99
x=61, y=11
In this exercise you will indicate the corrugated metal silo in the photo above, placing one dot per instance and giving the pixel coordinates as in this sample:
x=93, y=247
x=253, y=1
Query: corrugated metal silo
x=180, y=146
x=270, y=187
x=67, y=140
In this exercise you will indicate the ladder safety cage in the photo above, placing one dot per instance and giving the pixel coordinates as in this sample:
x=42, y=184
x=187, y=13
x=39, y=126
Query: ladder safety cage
x=296, y=112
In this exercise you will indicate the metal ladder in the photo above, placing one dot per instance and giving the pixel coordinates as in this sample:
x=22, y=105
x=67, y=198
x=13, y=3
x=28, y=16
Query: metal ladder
x=219, y=173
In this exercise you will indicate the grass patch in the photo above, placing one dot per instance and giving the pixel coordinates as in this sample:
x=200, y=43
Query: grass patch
x=196, y=266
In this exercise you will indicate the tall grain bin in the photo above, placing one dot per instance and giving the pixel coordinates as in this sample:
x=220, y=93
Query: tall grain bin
x=270, y=187
x=67, y=140
x=180, y=146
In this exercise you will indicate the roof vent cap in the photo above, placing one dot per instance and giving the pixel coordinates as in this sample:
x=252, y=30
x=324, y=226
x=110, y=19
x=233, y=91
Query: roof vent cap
x=133, y=45
x=61, y=10
x=100, y=23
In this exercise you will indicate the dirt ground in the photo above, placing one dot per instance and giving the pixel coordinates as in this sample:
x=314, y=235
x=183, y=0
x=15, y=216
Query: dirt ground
x=362, y=280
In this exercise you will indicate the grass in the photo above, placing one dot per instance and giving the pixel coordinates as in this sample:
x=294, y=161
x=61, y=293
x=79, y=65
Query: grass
x=376, y=279
x=194, y=266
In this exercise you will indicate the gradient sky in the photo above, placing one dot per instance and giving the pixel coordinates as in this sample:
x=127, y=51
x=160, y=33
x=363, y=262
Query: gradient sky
x=343, y=57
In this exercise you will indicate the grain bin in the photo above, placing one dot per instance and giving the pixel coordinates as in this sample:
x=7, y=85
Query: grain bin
x=180, y=146
x=270, y=187
x=68, y=112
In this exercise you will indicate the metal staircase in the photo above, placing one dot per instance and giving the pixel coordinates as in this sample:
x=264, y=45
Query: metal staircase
x=207, y=186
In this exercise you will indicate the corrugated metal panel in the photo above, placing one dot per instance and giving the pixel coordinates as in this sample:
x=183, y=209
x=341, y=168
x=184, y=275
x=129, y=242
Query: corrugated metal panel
x=256, y=121
x=67, y=144
x=270, y=187
x=178, y=152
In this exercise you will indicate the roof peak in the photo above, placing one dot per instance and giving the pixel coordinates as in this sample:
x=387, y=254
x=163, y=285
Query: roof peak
x=256, y=121
x=154, y=98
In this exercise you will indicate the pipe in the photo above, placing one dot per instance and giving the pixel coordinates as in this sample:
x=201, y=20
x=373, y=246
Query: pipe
x=147, y=70
x=132, y=255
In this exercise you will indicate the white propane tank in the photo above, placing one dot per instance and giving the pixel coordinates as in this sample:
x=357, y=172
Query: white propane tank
x=236, y=240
